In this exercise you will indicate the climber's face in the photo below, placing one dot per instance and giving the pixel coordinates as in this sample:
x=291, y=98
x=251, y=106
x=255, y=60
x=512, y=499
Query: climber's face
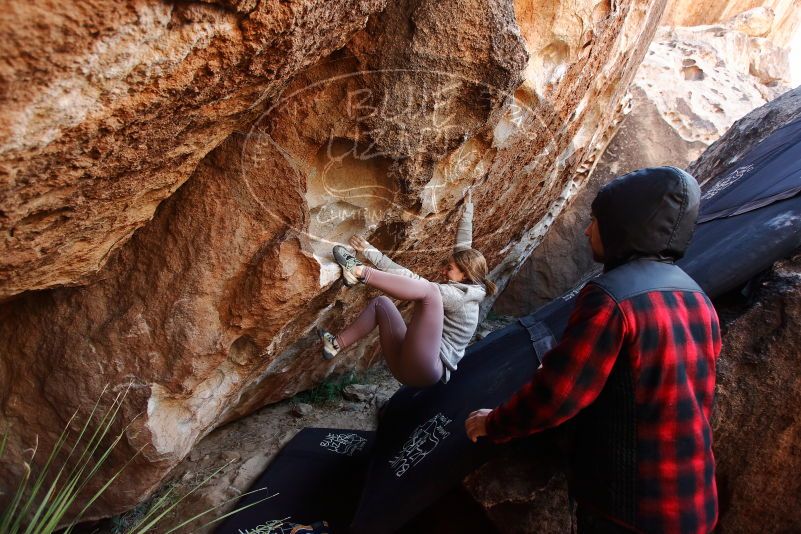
x=593, y=232
x=452, y=272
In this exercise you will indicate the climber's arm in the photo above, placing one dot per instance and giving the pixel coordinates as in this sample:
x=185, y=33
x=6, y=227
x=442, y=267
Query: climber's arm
x=464, y=233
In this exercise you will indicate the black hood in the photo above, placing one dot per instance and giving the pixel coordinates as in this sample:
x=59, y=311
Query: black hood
x=649, y=213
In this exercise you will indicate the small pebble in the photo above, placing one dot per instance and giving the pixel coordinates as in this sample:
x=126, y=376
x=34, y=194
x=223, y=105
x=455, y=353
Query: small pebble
x=301, y=409
x=352, y=407
x=230, y=456
x=359, y=392
x=380, y=400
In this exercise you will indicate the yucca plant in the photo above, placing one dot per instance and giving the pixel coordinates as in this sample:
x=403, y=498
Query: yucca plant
x=39, y=507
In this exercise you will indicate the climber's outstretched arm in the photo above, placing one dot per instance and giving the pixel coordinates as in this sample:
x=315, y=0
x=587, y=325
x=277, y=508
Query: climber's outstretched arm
x=464, y=233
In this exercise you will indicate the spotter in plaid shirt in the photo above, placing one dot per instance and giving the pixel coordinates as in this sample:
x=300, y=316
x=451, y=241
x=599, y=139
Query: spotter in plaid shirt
x=643, y=361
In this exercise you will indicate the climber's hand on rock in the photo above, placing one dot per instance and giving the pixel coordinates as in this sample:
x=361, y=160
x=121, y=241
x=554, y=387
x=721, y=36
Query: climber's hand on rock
x=359, y=243
x=468, y=198
x=476, y=424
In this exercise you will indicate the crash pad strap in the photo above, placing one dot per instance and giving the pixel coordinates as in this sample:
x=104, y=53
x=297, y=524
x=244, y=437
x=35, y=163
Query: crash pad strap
x=749, y=206
x=542, y=339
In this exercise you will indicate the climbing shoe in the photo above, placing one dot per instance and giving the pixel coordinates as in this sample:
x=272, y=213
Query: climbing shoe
x=330, y=345
x=348, y=262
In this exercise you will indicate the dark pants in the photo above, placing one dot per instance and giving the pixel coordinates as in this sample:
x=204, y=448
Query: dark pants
x=411, y=352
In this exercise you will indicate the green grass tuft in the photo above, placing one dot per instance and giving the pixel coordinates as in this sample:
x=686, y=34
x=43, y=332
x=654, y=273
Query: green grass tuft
x=46, y=501
x=328, y=391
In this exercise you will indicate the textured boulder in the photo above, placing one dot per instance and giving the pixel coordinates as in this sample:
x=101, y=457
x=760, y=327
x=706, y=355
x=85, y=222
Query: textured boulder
x=107, y=108
x=756, y=422
x=744, y=134
x=776, y=20
x=209, y=308
x=702, y=79
x=692, y=85
x=523, y=489
x=756, y=426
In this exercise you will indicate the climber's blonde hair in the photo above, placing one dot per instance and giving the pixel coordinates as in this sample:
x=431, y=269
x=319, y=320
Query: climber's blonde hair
x=474, y=266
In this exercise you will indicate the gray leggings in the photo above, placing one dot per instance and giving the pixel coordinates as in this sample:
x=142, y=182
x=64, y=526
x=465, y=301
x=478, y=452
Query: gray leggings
x=411, y=353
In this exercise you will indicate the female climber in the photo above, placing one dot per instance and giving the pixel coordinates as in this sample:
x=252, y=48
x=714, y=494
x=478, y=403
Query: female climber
x=445, y=314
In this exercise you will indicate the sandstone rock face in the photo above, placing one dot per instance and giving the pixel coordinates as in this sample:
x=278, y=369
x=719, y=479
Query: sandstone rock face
x=209, y=309
x=693, y=84
x=702, y=79
x=776, y=20
x=756, y=426
x=107, y=108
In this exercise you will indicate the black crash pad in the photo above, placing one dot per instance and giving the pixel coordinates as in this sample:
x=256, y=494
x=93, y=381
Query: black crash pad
x=317, y=477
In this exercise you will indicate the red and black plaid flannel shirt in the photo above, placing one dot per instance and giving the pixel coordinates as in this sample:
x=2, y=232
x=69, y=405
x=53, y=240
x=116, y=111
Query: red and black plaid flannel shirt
x=672, y=339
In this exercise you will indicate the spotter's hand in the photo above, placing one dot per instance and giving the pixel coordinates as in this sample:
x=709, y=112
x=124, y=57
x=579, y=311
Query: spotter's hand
x=476, y=424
